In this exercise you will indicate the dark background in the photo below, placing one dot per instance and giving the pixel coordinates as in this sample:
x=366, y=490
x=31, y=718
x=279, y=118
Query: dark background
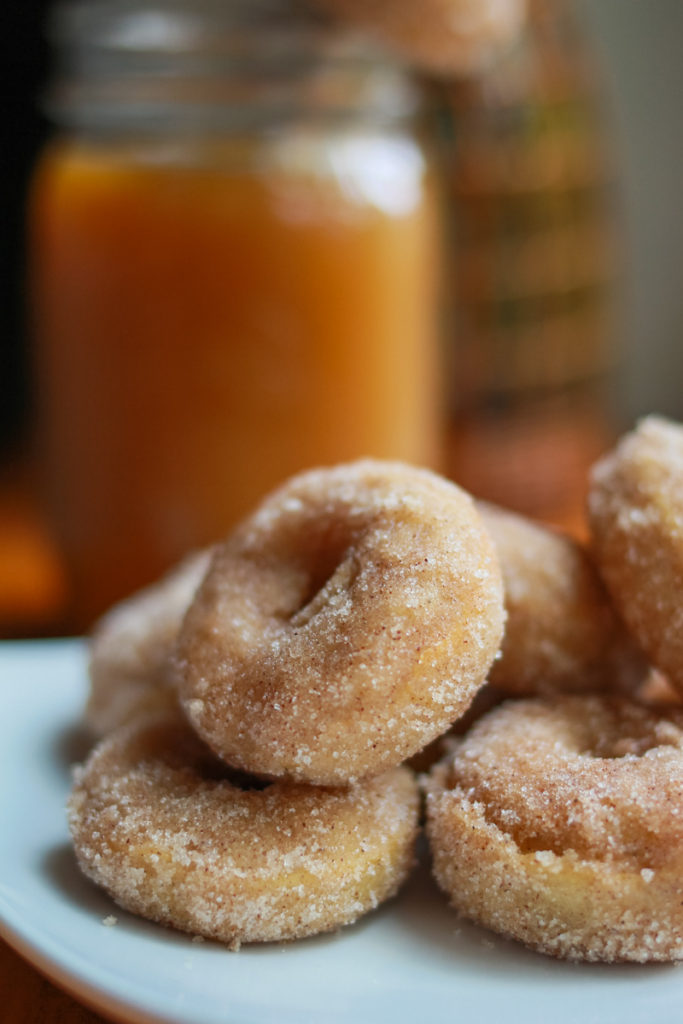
x=23, y=64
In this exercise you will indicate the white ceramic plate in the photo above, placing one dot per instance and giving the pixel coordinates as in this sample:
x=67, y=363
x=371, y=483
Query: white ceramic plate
x=411, y=962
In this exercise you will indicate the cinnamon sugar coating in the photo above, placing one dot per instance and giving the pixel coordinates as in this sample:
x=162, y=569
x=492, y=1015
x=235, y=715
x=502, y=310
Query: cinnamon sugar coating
x=562, y=632
x=635, y=508
x=131, y=645
x=343, y=626
x=560, y=823
x=160, y=824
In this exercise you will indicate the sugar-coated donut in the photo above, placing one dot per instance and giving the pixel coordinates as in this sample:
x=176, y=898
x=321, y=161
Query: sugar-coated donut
x=558, y=823
x=343, y=626
x=130, y=649
x=449, y=37
x=635, y=509
x=562, y=632
x=159, y=823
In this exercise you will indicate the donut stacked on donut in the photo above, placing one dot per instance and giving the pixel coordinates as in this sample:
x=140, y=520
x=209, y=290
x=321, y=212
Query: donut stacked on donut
x=342, y=627
x=635, y=508
x=557, y=821
x=562, y=632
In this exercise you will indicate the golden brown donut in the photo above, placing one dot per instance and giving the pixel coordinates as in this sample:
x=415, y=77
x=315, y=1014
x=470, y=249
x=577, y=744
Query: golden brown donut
x=449, y=37
x=557, y=823
x=130, y=649
x=159, y=823
x=562, y=632
x=635, y=509
x=347, y=623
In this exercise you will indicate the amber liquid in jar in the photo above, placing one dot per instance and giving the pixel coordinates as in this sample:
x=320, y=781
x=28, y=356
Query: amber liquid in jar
x=214, y=312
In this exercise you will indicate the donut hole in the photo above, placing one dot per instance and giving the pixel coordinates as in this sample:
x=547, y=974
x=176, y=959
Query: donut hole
x=605, y=729
x=527, y=844
x=506, y=821
x=573, y=829
x=326, y=589
x=613, y=748
x=328, y=572
x=509, y=823
x=633, y=735
x=244, y=781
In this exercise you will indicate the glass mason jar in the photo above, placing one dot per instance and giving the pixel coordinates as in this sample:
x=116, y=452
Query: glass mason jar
x=531, y=183
x=233, y=274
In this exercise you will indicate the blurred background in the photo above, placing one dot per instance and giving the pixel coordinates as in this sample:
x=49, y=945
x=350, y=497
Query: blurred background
x=637, y=47
x=632, y=95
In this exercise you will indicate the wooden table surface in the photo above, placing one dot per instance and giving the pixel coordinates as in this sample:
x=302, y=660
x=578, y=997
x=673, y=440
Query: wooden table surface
x=26, y=997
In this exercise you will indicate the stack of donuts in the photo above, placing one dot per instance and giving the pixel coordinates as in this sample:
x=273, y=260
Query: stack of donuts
x=259, y=710
x=557, y=819
x=257, y=705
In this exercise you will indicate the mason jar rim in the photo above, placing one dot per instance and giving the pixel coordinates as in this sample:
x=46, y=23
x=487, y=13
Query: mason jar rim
x=129, y=26
x=185, y=64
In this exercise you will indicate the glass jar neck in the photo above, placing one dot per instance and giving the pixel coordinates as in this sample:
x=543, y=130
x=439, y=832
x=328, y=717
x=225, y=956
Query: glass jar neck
x=227, y=65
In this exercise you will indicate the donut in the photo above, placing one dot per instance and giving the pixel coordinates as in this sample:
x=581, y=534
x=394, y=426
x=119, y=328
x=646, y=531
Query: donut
x=448, y=37
x=556, y=822
x=562, y=632
x=635, y=512
x=131, y=646
x=343, y=626
x=171, y=835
